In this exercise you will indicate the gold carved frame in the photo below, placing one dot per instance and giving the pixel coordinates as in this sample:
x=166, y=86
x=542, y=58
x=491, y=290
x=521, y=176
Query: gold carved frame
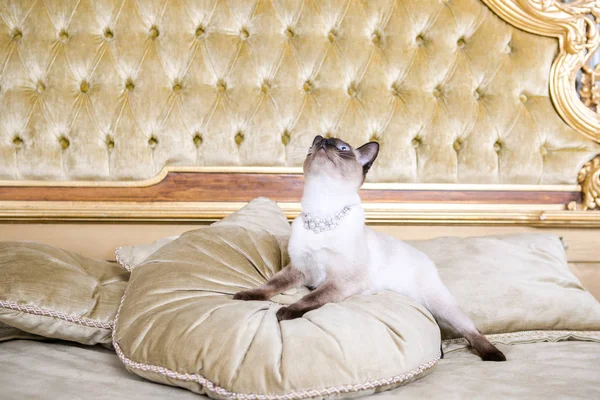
x=573, y=24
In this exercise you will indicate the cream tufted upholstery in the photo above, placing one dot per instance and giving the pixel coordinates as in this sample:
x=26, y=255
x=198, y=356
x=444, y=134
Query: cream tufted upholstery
x=115, y=90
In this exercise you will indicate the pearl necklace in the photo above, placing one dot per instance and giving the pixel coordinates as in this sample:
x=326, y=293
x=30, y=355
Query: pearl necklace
x=318, y=225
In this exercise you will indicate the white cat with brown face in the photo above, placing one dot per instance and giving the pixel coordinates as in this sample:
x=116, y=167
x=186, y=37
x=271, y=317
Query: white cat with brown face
x=334, y=253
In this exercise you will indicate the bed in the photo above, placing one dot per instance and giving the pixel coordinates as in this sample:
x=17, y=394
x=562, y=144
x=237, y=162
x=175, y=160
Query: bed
x=126, y=122
x=536, y=371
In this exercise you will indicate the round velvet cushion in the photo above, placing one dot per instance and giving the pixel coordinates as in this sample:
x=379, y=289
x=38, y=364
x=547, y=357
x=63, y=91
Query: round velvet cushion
x=179, y=325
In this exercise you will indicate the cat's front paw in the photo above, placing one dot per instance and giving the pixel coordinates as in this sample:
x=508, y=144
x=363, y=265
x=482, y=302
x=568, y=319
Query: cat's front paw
x=285, y=313
x=247, y=295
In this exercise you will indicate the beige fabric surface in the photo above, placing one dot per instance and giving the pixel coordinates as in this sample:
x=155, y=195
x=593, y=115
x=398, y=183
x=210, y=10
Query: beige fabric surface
x=511, y=283
x=178, y=314
x=589, y=274
x=8, y=332
x=54, y=293
x=259, y=214
x=50, y=371
x=97, y=90
x=514, y=283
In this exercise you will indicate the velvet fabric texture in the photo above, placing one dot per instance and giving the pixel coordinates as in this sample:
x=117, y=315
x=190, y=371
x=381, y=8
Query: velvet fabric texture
x=506, y=284
x=515, y=283
x=178, y=324
x=57, y=294
x=98, y=90
x=540, y=371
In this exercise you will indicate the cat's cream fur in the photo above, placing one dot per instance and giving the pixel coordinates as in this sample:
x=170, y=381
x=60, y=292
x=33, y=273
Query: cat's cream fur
x=354, y=259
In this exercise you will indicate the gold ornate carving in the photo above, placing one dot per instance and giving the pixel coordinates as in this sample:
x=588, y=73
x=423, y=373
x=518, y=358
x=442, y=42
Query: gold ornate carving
x=590, y=87
x=589, y=179
x=574, y=24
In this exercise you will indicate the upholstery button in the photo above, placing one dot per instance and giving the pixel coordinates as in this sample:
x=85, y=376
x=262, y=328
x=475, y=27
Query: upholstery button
x=508, y=49
x=17, y=34
x=265, y=87
x=374, y=137
x=395, y=89
x=177, y=87
x=543, y=151
x=523, y=98
x=84, y=87
x=478, y=94
x=197, y=140
x=376, y=37
x=152, y=142
x=285, y=137
x=154, y=32
x=17, y=142
x=63, y=35
x=352, y=89
x=244, y=33
x=416, y=142
x=332, y=35
x=457, y=145
x=420, y=39
x=460, y=43
x=129, y=85
x=64, y=142
x=108, y=34
x=221, y=86
x=110, y=142
x=289, y=32
x=327, y=135
x=308, y=86
x=437, y=92
x=239, y=138
x=497, y=146
x=200, y=31
x=40, y=87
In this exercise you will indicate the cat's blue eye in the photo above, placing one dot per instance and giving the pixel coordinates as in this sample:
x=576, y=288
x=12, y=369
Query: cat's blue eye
x=343, y=147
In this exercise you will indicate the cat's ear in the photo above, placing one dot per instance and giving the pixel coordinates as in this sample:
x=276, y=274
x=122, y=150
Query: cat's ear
x=366, y=154
x=317, y=139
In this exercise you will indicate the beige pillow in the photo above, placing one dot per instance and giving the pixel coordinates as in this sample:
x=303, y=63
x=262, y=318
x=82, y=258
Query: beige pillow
x=53, y=293
x=7, y=332
x=260, y=213
x=178, y=325
x=516, y=288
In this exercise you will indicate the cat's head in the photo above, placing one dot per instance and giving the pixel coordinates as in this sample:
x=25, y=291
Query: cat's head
x=334, y=158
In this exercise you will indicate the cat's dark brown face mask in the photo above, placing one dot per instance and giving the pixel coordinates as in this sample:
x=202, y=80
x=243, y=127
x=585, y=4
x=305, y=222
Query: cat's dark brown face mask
x=337, y=159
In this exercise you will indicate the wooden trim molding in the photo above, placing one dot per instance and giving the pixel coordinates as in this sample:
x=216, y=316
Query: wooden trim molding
x=381, y=213
x=187, y=195
x=574, y=25
x=242, y=187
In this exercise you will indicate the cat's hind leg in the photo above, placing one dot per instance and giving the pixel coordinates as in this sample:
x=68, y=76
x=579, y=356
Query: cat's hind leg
x=285, y=279
x=448, y=314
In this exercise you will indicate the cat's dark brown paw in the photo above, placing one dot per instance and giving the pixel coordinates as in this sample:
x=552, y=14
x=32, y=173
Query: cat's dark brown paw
x=247, y=295
x=495, y=355
x=285, y=313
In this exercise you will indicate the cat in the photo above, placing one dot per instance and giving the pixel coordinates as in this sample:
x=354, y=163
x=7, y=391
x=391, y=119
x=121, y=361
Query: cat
x=336, y=255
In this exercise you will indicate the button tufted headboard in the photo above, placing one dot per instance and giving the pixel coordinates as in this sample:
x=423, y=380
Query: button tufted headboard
x=117, y=91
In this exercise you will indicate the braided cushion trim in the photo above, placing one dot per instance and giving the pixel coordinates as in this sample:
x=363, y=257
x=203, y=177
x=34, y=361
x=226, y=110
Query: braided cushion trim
x=121, y=262
x=56, y=314
x=537, y=335
x=209, y=386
